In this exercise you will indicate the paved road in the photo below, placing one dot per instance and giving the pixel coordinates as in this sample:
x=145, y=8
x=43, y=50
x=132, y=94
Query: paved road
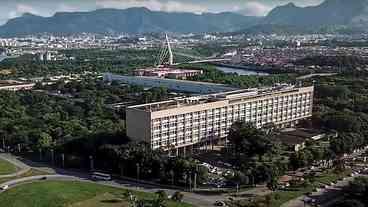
x=61, y=174
x=325, y=197
x=22, y=167
x=315, y=75
x=191, y=198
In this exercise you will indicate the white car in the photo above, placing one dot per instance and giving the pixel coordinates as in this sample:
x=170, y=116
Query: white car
x=4, y=187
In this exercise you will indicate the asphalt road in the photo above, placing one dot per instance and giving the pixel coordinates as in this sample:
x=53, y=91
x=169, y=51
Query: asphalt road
x=66, y=175
x=328, y=196
x=22, y=168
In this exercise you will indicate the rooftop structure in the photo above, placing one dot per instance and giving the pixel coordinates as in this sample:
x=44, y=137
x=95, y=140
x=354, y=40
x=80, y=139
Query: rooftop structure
x=166, y=72
x=171, y=84
x=12, y=85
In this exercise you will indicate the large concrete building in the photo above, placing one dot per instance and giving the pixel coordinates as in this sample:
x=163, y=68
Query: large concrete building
x=11, y=85
x=171, y=84
x=191, y=121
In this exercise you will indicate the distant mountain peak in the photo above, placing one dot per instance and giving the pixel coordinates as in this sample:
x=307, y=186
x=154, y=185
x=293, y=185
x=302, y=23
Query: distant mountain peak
x=131, y=20
x=291, y=4
x=27, y=14
x=328, y=13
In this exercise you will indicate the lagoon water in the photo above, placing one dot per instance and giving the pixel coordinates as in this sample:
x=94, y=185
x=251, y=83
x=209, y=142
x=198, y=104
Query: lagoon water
x=2, y=57
x=239, y=71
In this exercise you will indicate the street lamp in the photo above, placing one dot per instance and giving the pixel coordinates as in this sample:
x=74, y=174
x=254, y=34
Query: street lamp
x=63, y=160
x=52, y=157
x=138, y=170
x=91, y=163
x=40, y=153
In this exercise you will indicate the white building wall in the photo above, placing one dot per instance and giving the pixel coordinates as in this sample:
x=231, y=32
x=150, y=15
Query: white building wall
x=188, y=125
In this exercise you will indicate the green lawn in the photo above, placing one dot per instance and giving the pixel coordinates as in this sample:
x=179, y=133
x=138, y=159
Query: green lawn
x=29, y=173
x=6, y=167
x=280, y=197
x=69, y=194
x=325, y=179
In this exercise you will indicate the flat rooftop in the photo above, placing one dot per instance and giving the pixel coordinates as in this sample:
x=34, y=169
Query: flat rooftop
x=8, y=83
x=204, y=99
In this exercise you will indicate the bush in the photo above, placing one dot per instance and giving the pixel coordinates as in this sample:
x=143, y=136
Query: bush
x=177, y=196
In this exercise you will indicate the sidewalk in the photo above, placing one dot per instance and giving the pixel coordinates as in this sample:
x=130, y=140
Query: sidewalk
x=22, y=167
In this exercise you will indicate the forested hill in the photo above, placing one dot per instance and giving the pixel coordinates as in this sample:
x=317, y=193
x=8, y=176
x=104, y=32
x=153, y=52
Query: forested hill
x=132, y=20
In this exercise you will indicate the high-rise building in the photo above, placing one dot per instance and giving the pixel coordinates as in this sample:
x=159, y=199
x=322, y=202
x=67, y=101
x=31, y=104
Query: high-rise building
x=190, y=121
x=41, y=56
x=48, y=56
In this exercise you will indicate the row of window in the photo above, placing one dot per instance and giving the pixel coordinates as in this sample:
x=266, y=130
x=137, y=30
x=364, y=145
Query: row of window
x=276, y=112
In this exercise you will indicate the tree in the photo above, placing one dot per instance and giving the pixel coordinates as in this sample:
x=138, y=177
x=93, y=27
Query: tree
x=240, y=178
x=349, y=203
x=248, y=140
x=358, y=189
x=342, y=122
x=272, y=184
x=177, y=196
x=298, y=160
x=160, y=200
x=44, y=141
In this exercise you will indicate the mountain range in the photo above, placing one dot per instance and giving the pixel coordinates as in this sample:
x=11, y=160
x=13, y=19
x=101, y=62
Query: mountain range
x=132, y=20
x=335, y=15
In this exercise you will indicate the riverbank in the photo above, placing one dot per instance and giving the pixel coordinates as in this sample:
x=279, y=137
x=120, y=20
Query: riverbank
x=250, y=69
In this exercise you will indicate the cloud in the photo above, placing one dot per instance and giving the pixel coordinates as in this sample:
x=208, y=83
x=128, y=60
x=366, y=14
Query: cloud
x=21, y=9
x=66, y=8
x=253, y=8
x=155, y=5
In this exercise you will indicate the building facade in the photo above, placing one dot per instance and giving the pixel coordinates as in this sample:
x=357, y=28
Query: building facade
x=190, y=121
x=171, y=84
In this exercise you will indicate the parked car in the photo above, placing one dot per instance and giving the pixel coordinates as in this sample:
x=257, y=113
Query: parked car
x=4, y=187
x=219, y=203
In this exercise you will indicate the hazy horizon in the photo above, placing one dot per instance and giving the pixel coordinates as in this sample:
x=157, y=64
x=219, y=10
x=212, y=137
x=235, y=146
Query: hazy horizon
x=14, y=8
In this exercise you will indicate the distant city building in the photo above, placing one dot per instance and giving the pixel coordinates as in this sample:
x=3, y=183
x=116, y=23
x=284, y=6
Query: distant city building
x=11, y=85
x=41, y=57
x=190, y=121
x=48, y=56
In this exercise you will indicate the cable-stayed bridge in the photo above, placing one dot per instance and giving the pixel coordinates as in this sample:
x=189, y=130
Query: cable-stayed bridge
x=166, y=56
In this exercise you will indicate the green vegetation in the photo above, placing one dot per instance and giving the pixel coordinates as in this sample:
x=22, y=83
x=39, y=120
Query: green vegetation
x=343, y=62
x=211, y=74
x=92, y=60
x=297, y=189
x=29, y=173
x=72, y=118
x=341, y=105
x=60, y=194
x=256, y=156
x=6, y=167
x=356, y=194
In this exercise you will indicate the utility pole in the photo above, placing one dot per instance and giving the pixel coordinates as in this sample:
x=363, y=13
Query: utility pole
x=63, y=160
x=195, y=178
x=190, y=182
x=4, y=143
x=138, y=171
x=91, y=163
x=40, y=151
x=52, y=157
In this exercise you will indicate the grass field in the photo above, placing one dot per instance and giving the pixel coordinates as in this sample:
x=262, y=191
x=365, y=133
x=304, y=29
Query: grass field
x=31, y=172
x=6, y=167
x=69, y=194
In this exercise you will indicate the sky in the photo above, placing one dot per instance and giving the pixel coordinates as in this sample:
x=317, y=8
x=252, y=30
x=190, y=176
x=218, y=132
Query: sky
x=14, y=8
